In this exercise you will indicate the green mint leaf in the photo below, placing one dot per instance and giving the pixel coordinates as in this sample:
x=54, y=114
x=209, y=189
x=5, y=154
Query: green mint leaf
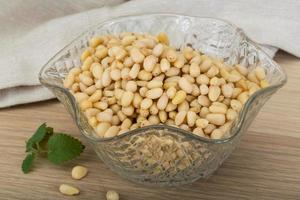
x=62, y=148
x=37, y=137
x=27, y=162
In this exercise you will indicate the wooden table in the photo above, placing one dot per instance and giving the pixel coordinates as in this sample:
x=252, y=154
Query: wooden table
x=266, y=164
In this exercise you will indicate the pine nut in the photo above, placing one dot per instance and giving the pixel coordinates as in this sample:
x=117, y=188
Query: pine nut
x=137, y=100
x=179, y=97
x=154, y=84
x=180, y=117
x=115, y=74
x=252, y=77
x=104, y=116
x=217, y=109
x=216, y=134
x=154, y=93
x=202, y=123
x=125, y=73
x=162, y=102
x=217, y=119
x=129, y=110
x=231, y=114
x=143, y=113
x=260, y=73
x=214, y=93
x=204, y=89
x=127, y=98
x=106, y=79
x=198, y=131
x=171, y=55
x=144, y=75
x=153, y=109
x=185, y=85
x=205, y=65
x=236, y=105
x=68, y=190
x=153, y=119
x=203, y=100
x=115, y=119
x=158, y=49
x=101, y=52
x=183, y=106
x=172, y=115
x=156, y=70
x=162, y=116
x=95, y=41
x=242, y=70
x=121, y=115
x=92, y=122
x=127, y=40
x=133, y=73
x=96, y=96
x=209, y=128
x=86, y=80
x=164, y=65
x=191, y=118
x=196, y=59
x=112, y=131
x=264, y=84
x=78, y=172
x=194, y=69
x=128, y=62
x=171, y=92
x=243, y=97
x=112, y=195
x=170, y=107
x=85, y=104
x=131, y=86
x=188, y=53
x=180, y=61
x=69, y=80
x=87, y=64
x=90, y=112
x=102, y=105
x=136, y=55
x=227, y=90
x=126, y=124
x=143, y=91
x=212, y=72
x=86, y=53
x=173, y=71
x=80, y=96
x=146, y=103
x=149, y=63
x=163, y=38
x=202, y=79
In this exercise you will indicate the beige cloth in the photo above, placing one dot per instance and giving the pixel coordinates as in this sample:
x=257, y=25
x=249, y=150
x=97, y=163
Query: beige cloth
x=33, y=31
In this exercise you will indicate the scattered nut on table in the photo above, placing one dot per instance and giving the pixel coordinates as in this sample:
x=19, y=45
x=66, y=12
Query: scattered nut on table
x=68, y=190
x=132, y=80
x=78, y=172
x=112, y=195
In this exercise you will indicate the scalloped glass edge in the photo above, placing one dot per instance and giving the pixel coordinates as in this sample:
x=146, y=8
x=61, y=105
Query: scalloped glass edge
x=235, y=129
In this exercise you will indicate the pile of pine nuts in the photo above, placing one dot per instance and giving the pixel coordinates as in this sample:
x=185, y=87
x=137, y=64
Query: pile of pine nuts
x=132, y=80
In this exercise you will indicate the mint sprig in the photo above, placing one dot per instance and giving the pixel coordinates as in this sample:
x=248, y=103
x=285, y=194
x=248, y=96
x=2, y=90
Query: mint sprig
x=62, y=148
x=57, y=147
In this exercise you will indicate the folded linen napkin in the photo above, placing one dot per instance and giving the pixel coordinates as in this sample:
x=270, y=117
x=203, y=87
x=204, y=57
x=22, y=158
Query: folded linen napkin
x=272, y=23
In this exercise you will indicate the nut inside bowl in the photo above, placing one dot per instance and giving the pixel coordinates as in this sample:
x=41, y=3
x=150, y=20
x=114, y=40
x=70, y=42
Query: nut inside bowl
x=162, y=154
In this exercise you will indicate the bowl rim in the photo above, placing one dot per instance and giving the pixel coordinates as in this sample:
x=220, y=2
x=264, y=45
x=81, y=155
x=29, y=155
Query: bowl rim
x=185, y=133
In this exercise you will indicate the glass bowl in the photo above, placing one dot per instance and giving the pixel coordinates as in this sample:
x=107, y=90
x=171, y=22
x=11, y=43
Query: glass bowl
x=161, y=154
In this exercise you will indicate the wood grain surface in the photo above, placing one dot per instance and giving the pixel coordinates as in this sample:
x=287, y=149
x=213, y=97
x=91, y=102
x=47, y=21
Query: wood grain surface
x=266, y=164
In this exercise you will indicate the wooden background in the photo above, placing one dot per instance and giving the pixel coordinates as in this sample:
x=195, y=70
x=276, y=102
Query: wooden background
x=266, y=164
